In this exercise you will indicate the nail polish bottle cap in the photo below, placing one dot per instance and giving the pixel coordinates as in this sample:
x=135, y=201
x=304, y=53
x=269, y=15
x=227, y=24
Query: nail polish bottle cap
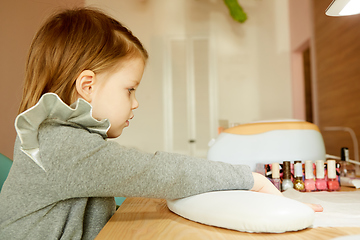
x=320, y=169
x=309, y=169
x=298, y=169
x=286, y=170
x=275, y=170
x=331, y=170
x=344, y=154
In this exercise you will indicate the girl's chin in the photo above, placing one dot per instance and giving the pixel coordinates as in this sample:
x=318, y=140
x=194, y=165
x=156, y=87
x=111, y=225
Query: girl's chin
x=114, y=134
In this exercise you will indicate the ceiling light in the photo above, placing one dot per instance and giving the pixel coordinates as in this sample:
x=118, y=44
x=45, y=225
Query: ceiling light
x=343, y=8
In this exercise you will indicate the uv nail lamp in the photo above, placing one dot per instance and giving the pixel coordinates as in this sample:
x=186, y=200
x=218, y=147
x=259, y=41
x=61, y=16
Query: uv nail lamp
x=267, y=142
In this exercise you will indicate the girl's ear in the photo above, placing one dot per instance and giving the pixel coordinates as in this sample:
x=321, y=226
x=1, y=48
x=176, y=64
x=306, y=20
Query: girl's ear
x=85, y=85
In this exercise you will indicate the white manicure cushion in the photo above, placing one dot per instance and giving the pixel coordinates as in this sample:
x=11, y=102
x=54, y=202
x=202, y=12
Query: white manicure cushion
x=245, y=211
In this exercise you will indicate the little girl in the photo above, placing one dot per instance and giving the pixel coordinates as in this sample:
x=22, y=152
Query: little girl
x=82, y=73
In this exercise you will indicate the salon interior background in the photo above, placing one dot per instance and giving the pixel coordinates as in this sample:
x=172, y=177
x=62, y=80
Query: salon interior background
x=288, y=60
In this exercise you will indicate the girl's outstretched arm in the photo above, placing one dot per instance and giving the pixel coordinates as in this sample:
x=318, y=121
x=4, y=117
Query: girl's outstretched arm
x=262, y=184
x=83, y=164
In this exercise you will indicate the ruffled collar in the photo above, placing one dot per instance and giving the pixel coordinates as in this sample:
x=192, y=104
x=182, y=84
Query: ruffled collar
x=50, y=106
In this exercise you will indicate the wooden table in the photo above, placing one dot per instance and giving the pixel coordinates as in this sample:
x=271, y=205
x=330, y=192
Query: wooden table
x=146, y=218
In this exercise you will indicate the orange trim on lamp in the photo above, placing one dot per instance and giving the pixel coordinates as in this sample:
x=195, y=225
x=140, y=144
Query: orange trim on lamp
x=261, y=127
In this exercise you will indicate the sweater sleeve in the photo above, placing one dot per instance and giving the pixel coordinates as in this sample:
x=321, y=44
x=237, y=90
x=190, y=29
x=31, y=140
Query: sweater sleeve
x=83, y=164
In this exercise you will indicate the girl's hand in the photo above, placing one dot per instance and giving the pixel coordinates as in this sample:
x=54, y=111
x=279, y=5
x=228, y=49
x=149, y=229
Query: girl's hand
x=263, y=185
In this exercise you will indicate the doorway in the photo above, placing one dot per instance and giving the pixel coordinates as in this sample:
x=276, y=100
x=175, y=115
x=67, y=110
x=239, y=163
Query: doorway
x=189, y=96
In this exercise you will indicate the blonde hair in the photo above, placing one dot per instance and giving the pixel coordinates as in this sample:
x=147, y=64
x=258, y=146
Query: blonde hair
x=67, y=44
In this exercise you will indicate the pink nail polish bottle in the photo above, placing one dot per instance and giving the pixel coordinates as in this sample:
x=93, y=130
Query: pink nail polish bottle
x=321, y=184
x=309, y=176
x=333, y=183
x=275, y=172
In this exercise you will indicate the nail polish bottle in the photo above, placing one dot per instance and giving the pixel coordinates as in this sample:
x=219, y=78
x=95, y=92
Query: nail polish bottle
x=275, y=170
x=286, y=182
x=298, y=182
x=346, y=169
x=260, y=168
x=320, y=183
x=267, y=171
x=309, y=176
x=333, y=183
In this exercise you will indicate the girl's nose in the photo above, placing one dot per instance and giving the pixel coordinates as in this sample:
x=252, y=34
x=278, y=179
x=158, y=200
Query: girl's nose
x=135, y=104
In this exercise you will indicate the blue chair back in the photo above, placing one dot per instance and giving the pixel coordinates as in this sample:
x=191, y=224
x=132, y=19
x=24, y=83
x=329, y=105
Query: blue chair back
x=5, y=165
x=119, y=200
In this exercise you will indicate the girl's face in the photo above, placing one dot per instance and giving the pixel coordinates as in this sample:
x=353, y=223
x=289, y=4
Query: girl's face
x=113, y=95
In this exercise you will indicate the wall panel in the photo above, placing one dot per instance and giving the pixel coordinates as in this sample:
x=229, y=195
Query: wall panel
x=337, y=46
x=19, y=21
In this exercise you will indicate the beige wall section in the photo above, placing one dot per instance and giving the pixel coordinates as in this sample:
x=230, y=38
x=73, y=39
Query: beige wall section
x=252, y=60
x=19, y=21
x=274, y=59
x=300, y=38
x=300, y=22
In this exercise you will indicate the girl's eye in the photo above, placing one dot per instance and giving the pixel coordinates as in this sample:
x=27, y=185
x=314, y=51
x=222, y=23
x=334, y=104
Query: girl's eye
x=131, y=90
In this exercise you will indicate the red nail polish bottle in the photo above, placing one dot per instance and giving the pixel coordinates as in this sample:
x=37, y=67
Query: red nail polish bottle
x=320, y=183
x=309, y=176
x=333, y=183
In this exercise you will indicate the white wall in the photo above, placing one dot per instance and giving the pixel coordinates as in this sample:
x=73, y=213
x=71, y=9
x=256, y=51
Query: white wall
x=252, y=66
x=253, y=62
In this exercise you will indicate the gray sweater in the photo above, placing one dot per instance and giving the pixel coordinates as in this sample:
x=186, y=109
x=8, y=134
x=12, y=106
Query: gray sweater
x=71, y=196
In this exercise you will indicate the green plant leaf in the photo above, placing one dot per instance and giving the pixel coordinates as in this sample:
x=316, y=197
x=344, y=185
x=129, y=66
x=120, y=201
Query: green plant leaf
x=236, y=11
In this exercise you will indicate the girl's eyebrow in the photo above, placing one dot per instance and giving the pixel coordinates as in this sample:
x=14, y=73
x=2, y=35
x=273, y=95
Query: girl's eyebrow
x=135, y=82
